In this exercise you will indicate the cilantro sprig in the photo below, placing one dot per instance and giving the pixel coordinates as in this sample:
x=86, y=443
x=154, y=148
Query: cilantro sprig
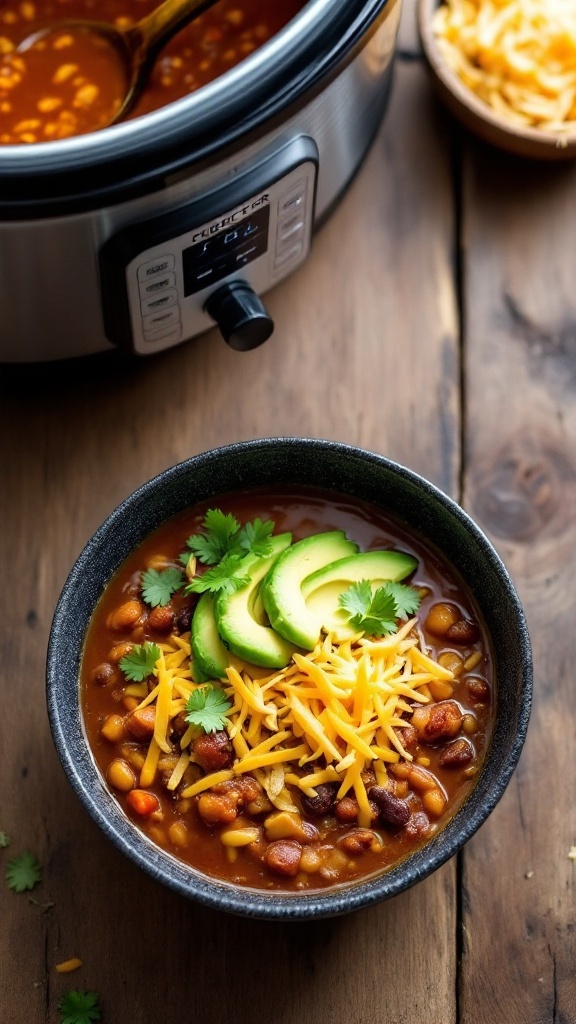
x=223, y=536
x=207, y=708
x=158, y=585
x=79, y=1008
x=4, y=840
x=224, y=546
x=224, y=578
x=23, y=873
x=140, y=662
x=377, y=613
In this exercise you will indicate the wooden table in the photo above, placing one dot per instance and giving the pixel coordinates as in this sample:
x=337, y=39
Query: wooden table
x=443, y=335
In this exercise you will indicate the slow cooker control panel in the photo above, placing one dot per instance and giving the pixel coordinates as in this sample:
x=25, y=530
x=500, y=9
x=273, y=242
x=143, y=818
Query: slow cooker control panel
x=158, y=276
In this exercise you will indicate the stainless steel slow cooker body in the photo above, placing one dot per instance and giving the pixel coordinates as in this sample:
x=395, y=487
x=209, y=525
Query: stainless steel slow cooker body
x=127, y=235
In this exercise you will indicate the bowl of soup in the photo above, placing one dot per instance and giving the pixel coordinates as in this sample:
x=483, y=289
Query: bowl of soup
x=289, y=678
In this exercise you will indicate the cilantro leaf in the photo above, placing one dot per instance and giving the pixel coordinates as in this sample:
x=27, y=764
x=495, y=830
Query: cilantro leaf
x=407, y=599
x=207, y=708
x=23, y=872
x=221, y=578
x=377, y=613
x=79, y=1008
x=158, y=586
x=254, y=538
x=218, y=540
x=140, y=662
x=4, y=840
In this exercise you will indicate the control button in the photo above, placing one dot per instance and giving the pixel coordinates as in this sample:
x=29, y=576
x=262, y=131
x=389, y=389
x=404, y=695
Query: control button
x=163, y=318
x=240, y=315
x=293, y=200
x=173, y=333
x=158, y=266
x=288, y=254
x=157, y=284
x=289, y=227
x=159, y=301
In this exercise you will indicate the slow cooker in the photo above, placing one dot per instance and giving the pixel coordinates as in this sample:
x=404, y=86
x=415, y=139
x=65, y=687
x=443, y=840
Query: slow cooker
x=145, y=234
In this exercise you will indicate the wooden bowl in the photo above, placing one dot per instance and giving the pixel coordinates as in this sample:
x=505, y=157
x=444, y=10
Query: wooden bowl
x=476, y=115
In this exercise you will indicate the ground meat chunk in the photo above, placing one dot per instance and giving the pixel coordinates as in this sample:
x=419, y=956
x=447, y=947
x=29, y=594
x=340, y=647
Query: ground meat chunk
x=213, y=751
x=438, y=721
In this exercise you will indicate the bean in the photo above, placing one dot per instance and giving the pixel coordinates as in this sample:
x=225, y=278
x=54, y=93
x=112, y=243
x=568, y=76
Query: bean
x=393, y=810
x=463, y=632
x=178, y=834
x=358, y=841
x=283, y=857
x=319, y=805
x=140, y=723
x=478, y=688
x=434, y=802
x=346, y=810
x=161, y=619
x=440, y=617
x=125, y=616
x=456, y=754
x=104, y=674
x=113, y=728
x=216, y=808
x=120, y=775
x=452, y=661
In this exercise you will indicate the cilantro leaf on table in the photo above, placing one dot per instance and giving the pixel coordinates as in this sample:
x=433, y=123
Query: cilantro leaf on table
x=207, y=708
x=254, y=538
x=140, y=662
x=159, y=585
x=220, y=535
x=79, y=1008
x=222, y=578
x=4, y=840
x=23, y=873
x=377, y=613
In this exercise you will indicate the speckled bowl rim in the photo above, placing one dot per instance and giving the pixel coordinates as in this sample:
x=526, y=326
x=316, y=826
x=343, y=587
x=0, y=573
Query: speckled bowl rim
x=477, y=116
x=347, y=470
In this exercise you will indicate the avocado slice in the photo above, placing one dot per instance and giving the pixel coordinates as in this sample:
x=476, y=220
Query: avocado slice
x=238, y=614
x=281, y=590
x=210, y=654
x=322, y=589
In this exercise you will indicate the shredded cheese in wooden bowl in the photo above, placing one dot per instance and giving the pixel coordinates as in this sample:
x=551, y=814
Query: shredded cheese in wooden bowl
x=517, y=58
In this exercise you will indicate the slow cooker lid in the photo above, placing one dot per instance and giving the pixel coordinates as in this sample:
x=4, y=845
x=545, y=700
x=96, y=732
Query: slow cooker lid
x=134, y=158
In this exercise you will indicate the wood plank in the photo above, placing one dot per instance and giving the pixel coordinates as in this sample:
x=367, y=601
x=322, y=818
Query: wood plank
x=519, y=226
x=365, y=352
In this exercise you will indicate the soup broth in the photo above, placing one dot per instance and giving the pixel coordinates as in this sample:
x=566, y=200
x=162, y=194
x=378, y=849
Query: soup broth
x=68, y=84
x=322, y=818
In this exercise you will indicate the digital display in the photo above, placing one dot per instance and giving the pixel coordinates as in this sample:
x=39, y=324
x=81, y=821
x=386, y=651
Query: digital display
x=215, y=257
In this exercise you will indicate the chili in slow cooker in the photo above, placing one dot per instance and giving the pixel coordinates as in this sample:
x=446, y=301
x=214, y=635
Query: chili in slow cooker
x=290, y=823
x=68, y=84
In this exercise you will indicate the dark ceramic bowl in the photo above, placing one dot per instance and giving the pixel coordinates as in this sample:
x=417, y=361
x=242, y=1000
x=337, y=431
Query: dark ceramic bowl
x=321, y=464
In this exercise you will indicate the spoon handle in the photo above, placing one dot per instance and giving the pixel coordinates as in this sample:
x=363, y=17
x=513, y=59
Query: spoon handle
x=149, y=34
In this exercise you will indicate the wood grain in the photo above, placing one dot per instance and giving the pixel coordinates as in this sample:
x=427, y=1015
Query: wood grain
x=520, y=484
x=366, y=351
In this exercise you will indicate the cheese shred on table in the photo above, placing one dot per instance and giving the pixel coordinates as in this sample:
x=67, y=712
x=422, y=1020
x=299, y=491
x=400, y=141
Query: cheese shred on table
x=519, y=56
x=334, y=712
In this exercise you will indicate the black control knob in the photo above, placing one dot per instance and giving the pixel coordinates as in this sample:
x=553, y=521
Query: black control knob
x=240, y=315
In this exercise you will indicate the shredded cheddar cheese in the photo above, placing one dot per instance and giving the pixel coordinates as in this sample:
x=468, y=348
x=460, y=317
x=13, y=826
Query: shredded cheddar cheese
x=518, y=56
x=334, y=712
